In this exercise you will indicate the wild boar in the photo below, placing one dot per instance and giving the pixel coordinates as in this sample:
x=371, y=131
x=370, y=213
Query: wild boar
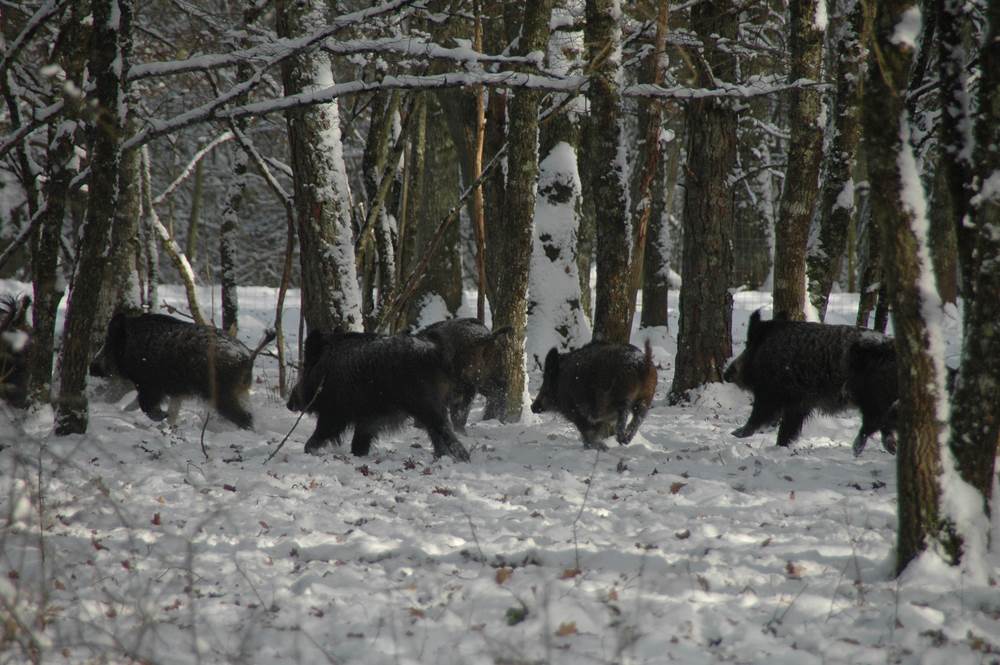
x=15, y=344
x=596, y=387
x=167, y=357
x=374, y=383
x=471, y=350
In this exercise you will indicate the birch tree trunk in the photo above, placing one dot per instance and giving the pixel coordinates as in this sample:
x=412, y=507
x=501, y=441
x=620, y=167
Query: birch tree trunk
x=704, y=336
x=110, y=51
x=804, y=152
x=330, y=294
x=608, y=177
x=898, y=210
x=824, y=258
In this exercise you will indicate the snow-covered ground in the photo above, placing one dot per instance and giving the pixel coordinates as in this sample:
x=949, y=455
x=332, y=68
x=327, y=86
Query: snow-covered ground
x=688, y=546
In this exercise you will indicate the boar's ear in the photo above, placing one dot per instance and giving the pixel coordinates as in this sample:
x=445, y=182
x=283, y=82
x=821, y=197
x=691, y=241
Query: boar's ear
x=316, y=342
x=117, y=330
x=551, y=370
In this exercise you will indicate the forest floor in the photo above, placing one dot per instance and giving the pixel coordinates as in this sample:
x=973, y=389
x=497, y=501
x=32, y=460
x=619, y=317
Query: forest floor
x=127, y=544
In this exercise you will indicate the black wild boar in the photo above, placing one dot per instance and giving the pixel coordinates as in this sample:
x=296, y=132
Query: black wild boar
x=796, y=367
x=471, y=350
x=167, y=357
x=374, y=382
x=15, y=343
x=872, y=386
x=596, y=387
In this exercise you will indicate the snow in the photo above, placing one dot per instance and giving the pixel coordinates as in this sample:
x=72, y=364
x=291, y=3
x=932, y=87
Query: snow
x=907, y=30
x=688, y=546
x=821, y=19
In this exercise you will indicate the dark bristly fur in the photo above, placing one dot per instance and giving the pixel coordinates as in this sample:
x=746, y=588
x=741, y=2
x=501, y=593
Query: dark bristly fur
x=796, y=367
x=596, y=387
x=167, y=357
x=15, y=342
x=471, y=350
x=374, y=382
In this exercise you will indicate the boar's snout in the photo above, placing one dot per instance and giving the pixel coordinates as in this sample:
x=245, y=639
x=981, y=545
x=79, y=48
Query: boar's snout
x=536, y=406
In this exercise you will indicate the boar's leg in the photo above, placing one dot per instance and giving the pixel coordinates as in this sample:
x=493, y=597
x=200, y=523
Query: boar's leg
x=625, y=434
x=763, y=413
x=792, y=419
x=231, y=409
x=592, y=434
x=460, y=406
x=445, y=442
x=327, y=428
x=149, y=401
x=889, y=441
x=364, y=434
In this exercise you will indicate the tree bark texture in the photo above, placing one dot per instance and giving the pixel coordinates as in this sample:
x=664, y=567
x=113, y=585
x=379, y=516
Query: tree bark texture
x=70, y=53
x=976, y=414
x=704, y=336
x=805, y=151
x=330, y=293
x=110, y=50
x=656, y=262
x=825, y=257
x=608, y=177
x=955, y=139
x=511, y=242
x=886, y=141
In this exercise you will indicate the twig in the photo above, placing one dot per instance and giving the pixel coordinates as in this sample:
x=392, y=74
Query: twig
x=583, y=504
x=204, y=426
x=296, y=423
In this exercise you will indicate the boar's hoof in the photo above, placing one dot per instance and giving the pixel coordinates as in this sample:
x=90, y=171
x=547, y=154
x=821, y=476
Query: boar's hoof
x=456, y=451
x=742, y=432
x=889, y=443
x=313, y=446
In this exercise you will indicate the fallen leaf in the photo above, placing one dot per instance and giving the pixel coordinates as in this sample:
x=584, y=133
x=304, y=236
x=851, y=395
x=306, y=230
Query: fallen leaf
x=676, y=487
x=566, y=629
x=569, y=573
x=503, y=574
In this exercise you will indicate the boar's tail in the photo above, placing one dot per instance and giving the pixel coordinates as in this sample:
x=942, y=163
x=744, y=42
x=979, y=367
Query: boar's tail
x=648, y=373
x=268, y=337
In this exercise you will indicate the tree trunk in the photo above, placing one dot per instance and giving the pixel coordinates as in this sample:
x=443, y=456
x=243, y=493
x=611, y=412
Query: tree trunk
x=955, y=159
x=975, y=419
x=608, y=183
x=650, y=158
x=898, y=212
x=656, y=263
x=70, y=53
x=511, y=237
x=110, y=53
x=825, y=257
x=804, y=153
x=330, y=294
x=704, y=337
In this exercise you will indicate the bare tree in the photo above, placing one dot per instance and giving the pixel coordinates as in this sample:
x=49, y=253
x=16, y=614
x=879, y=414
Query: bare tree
x=330, y=293
x=608, y=177
x=836, y=208
x=704, y=337
x=804, y=152
x=110, y=49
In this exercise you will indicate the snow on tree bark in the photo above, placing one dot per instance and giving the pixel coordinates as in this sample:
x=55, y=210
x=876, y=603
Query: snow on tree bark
x=804, y=152
x=608, y=176
x=704, y=336
x=61, y=166
x=933, y=504
x=555, y=313
x=109, y=59
x=824, y=257
x=975, y=418
x=330, y=292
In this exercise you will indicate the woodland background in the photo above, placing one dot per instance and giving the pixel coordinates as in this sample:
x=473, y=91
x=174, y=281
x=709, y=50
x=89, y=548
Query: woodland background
x=338, y=146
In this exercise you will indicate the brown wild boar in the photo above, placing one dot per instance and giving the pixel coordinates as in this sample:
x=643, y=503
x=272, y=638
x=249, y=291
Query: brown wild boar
x=596, y=386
